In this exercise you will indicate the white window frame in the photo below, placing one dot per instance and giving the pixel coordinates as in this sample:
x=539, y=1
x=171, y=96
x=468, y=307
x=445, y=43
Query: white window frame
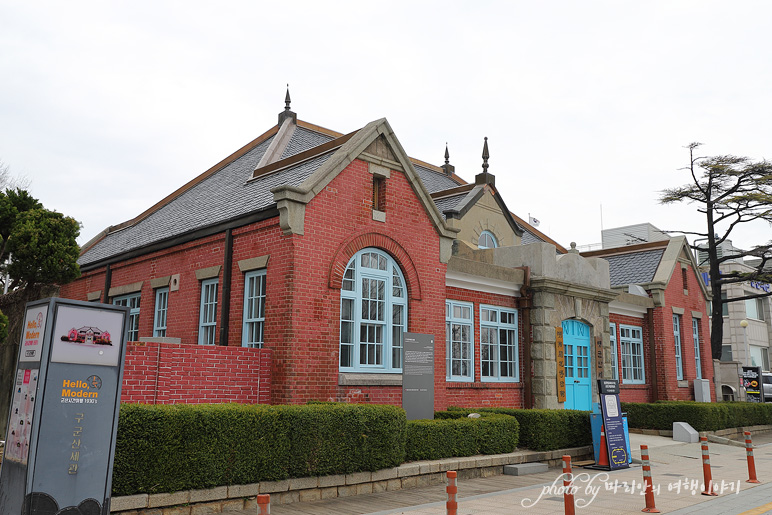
x=454, y=319
x=754, y=308
x=133, y=320
x=253, y=327
x=496, y=328
x=207, y=320
x=388, y=307
x=161, y=312
x=612, y=332
x=631, y=343
x=679, y=362
x=697, y=354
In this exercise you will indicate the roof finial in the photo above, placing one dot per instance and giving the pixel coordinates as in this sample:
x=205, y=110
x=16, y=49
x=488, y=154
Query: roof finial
x=447, y=154
x=485, y=156
x=287, y=100
x=448, y=168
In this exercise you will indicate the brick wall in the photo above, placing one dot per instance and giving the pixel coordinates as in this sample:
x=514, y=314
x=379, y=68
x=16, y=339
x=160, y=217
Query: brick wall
x=168, y=373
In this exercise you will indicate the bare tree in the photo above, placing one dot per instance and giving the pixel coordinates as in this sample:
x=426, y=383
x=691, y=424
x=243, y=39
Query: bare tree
x=729, y=190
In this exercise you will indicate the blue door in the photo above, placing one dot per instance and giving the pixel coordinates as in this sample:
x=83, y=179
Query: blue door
x=576, y=341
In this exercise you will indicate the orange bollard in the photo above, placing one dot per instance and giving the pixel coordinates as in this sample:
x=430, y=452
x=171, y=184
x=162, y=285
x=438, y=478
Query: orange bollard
x=264, y=504
x=650, y=508
x=603, y=451
x=451, y=507
x=751, y=461
x=708, y=477
x=568, y=494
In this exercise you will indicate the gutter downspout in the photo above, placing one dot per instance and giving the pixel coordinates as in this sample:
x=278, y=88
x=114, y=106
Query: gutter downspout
x=526, y=301
x=226, y=288
x=652, y=356
x=108, y=280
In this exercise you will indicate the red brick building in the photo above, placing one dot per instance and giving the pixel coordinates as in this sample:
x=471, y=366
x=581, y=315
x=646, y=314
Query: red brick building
x=313, y=251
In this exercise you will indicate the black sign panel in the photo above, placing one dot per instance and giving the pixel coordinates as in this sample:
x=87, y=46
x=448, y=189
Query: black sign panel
x=418, y=376
x=752, y=383
x=613, y=423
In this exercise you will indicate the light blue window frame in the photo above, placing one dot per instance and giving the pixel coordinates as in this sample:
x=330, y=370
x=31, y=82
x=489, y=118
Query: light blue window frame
x=254, y=310
x=373, y=314
x=487, y=240
x=459, y=341
x=631, y=343
x=132, y=301
x=499, y=344
x=679, y=362
x=207, y=322
x=612, y=332
x=161, y=311
x=696, y=338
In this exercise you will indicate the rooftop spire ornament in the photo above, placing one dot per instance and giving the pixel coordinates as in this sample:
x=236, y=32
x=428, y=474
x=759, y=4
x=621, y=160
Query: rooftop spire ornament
x=447, y=154
x=485, y=156
x=287, y=100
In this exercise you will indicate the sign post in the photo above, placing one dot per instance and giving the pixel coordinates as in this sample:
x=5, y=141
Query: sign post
x=752, y=384
x=560, y=357
x=613, y=422
x=64, y=410
x=418, y=376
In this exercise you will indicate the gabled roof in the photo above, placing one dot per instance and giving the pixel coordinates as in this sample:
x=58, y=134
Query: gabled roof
x=234, y=191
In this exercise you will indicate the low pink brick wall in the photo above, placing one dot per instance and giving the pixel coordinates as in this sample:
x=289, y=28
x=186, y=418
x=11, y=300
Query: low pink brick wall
x=172, y=373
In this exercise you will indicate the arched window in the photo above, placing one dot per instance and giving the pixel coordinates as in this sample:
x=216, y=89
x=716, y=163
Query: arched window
x=373, y=313
x=487, y=241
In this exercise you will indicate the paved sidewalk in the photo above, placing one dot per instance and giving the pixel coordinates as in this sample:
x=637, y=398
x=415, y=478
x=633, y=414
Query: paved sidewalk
x=676, y=472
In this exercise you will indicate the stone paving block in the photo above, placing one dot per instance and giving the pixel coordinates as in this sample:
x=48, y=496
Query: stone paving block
x=269, y=487
x=288, y=497
x=467, y=463
x=329, y=493
x=250, y=504
x=334, y=480
x=383, y=474
x=490, y=471
x=683, y=432
x=310, y=494
x=410, y=482
x=393, y=484
x=177, y=510
x=380, y=486
x=364, y=488
x=205, y=509
x=485, y=461
x=160, y=500
x=525, y=469
x=358, y=477
x=347, y=490
x=235, y=491
x=429, y=467
x=210, y=494
x=408, y=470
x=232, y=505
x=128, y=502
x=303, y=483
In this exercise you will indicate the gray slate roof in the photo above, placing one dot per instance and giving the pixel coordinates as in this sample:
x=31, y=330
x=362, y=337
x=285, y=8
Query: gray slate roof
x=222, y=196
x=634, y=268
x=435, y=181
x=530, y=237
x=303, y=139
x=450, y=202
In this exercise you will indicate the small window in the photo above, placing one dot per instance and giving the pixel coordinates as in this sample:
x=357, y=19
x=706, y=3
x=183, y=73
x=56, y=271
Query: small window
x=696, y=338
x=631, y=342
x=161, y=308
x=726, y=353
x=754, y=309
x=207, y=327
x=685, y=278
x=487, y=241
x=379, y=193
x=254, y=309
x=131, y=301
x=724, y=305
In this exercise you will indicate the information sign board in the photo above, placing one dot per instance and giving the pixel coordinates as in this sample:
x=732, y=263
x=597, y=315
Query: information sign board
x=616, y=439
x=64, y=412
x=418, y=376
x=752, y=383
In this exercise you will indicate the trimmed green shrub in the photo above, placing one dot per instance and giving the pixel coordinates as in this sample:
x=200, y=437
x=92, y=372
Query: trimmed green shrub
x=452, y=436
x=167, y=448
x=546, y=430
x=702, y=416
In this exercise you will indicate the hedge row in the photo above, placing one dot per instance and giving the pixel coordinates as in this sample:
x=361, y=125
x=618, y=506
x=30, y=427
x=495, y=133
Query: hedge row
x=179, y=447
x=456, y=436
x=545, y=430
x=702, y=416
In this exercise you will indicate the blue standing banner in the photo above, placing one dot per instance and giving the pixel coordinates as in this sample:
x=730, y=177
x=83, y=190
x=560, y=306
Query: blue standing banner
x=616, y=440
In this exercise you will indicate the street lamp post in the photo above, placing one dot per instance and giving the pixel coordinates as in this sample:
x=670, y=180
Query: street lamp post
x=744, y=325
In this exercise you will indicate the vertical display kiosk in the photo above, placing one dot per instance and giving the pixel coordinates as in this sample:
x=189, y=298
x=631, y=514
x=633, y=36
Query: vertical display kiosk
x=611, y=440
x=64, y=409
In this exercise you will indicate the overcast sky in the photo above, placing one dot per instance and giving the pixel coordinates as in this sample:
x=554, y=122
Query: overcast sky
x=109, y=106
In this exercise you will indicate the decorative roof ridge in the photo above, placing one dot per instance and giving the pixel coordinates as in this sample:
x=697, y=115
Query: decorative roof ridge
x=318, y=128
x=452, y=191
x=182, y=189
